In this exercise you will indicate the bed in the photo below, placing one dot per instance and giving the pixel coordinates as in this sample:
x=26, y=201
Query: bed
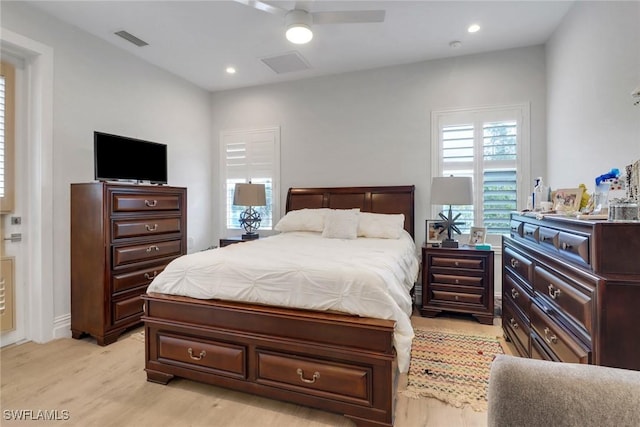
x=325, y=359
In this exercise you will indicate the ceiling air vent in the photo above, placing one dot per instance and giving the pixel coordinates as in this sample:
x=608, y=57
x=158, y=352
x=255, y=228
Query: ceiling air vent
x=286, y=63
x=131, y=38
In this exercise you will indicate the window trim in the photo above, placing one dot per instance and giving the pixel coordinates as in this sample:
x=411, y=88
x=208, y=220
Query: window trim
x=7, y=202
x=275, y=202
x=520, y=111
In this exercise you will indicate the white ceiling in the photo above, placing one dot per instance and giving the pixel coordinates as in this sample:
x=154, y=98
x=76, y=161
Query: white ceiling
x=198, y=40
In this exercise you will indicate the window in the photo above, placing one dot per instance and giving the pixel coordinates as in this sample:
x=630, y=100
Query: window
x=490, y=145
x=250, y=156
x=7, y=109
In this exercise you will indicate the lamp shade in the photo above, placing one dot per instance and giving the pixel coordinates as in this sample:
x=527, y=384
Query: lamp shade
x=249, y=195
x=452, y=190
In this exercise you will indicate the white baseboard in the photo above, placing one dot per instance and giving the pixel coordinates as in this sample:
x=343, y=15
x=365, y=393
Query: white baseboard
x=62, y=326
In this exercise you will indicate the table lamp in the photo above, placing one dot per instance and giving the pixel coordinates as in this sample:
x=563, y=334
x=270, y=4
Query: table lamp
x=250, y=195
x=451, y=190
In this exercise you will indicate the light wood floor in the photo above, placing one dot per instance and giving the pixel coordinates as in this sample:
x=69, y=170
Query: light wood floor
x=106, y=386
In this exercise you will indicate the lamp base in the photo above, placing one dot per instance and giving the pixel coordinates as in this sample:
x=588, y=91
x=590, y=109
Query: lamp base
x=250, y=236
x=446, y=243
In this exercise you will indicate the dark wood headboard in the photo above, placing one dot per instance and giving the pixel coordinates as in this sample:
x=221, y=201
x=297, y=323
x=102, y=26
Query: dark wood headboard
x=385, y=200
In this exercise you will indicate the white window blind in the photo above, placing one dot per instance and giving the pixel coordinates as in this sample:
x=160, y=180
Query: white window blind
x=487, y=145
x=250, y=156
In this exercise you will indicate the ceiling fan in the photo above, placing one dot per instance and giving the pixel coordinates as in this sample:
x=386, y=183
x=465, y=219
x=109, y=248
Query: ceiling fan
x=298, y=20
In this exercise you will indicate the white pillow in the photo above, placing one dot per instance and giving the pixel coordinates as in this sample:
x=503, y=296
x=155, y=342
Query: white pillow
x=303, y=220
x=341, y=224
x=381, y=226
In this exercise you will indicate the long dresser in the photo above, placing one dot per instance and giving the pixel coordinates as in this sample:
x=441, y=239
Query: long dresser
x=571, y=290
x=122, y=236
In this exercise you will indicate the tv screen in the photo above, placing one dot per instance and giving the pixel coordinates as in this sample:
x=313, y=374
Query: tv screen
x=119, y=158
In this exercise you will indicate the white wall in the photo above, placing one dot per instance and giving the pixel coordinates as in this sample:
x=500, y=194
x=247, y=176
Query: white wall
x=99, y=87
x=593, y=64
x=373, y=127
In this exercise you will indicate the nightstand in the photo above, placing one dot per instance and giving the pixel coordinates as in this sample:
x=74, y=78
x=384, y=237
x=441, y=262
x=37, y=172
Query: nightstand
x=231, y=240
x=457, y=280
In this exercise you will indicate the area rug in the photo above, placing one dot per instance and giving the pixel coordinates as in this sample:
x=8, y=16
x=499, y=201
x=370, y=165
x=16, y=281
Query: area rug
x=452, y=367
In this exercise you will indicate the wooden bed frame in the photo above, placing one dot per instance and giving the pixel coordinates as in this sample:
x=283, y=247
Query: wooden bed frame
x=330, y=361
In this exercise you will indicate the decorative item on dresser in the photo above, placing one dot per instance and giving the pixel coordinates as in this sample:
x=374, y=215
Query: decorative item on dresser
x=571, y=290
x=457, y=280
x=451, y=190
x=122, y=236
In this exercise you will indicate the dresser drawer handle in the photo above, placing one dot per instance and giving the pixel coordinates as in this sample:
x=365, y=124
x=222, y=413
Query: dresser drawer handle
x=148, y=277
x=153, y=247
x=514, y=263
x=457, y=282
x=150, y=203
x=550, y=339
x=457, y=264
x=316, y=375
x=199, y=357
x=150, y=228
x=566, y=246
x=545, y=238
x=529, y=233
x=513, y=323
x=554, y=293
x=514, y=294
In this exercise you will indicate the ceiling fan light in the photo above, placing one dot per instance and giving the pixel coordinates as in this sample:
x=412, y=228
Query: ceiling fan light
x=299, y=34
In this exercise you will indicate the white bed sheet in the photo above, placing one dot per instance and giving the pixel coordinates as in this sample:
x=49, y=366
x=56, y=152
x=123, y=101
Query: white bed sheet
x=367, y=277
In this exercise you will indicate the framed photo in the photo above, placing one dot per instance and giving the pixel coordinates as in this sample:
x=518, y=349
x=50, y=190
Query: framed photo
x=435, y=232
x=567, y=200
x=477, y=235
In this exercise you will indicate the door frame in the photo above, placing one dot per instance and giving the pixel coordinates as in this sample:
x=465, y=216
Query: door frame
x=38, y=273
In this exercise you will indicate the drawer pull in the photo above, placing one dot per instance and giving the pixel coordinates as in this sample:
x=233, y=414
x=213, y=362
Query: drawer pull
x=150, y=203
x=457, y=282
x=514, y=263
x=457, y=264
x=529, y=233
x=514, y=294
x=150, y=228
x=199, y=357
x=566, y=246
x=316, y=375
x=554, y=293
x=550, y=339
x=513, y=323
x=152, y=247
x=148, y=277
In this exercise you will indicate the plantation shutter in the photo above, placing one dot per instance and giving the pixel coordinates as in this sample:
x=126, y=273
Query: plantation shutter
x=484, y=145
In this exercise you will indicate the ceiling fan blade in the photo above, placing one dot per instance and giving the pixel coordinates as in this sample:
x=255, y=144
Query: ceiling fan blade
x=265, y=7
x=348, y=17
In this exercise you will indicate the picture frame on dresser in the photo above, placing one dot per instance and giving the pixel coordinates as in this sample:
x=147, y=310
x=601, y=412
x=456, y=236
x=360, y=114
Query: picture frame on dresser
x=567, y=200
x=434, y=232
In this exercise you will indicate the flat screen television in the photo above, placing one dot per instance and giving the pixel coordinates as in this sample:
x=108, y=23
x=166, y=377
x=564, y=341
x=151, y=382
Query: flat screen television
x=119, y=158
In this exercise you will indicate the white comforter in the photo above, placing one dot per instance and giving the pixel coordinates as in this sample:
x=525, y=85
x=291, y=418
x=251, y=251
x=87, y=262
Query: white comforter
x=368, y=277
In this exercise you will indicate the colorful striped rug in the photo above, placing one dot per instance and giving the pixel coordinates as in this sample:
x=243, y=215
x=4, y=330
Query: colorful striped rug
x=452, y=367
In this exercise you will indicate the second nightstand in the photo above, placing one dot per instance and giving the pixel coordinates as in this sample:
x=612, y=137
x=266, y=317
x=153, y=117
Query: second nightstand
x=231, y=240
x=458, y=280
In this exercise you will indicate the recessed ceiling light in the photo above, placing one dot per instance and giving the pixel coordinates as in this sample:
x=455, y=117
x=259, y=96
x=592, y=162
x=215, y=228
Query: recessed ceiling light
x=473, y=28
x=231, y=70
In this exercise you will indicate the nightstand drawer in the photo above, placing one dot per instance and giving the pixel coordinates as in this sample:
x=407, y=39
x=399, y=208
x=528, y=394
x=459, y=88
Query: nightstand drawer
x=456, y=296
x=457, y=280
x=467, y=263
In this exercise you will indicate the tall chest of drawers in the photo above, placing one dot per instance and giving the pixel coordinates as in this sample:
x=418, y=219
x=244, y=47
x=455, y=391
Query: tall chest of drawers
x=571, y=290
x=122, y=236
